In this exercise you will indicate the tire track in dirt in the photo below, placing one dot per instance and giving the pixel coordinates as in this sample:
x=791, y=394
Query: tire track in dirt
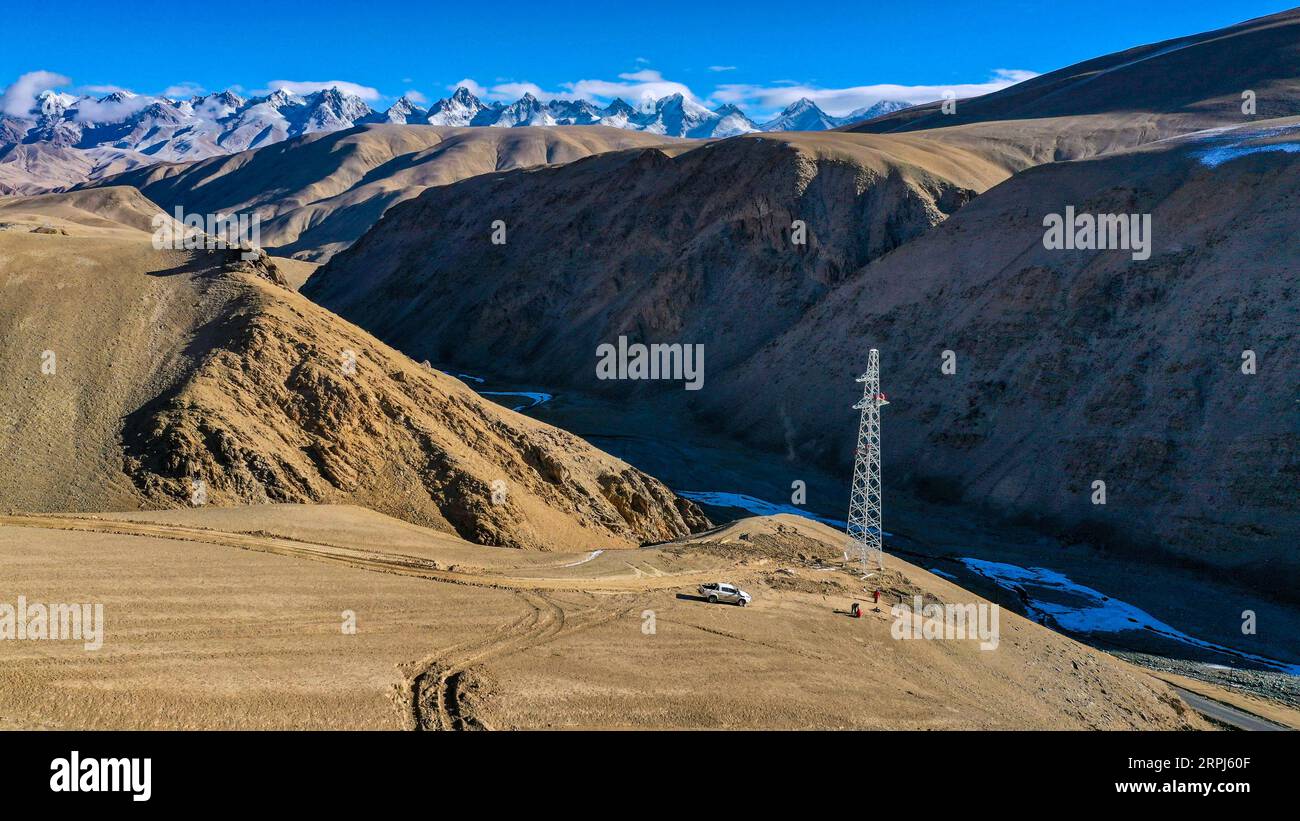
x=435, y=693
x=438, y=690
x=382, y=562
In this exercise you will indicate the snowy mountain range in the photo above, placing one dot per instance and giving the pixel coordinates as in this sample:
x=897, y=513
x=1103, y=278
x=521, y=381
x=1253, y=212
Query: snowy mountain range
x=90, y=136
x=804, y=115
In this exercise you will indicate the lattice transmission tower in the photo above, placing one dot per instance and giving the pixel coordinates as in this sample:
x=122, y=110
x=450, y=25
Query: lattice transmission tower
x=865, y=535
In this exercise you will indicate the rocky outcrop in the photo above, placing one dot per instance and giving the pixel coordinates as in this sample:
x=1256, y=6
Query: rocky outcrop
x=295, y=406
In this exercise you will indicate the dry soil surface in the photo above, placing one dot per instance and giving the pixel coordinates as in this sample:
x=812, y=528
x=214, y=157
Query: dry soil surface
x=235, y=618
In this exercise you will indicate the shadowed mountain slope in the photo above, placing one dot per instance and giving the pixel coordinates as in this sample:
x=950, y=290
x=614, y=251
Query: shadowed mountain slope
x=1075, y=366
x=697, y=247
x=1176, y=86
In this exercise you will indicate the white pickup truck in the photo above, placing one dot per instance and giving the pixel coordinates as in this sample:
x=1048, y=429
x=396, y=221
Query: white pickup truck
x=718, y=591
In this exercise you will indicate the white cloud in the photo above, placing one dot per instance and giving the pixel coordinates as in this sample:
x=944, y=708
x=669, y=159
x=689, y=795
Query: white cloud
x=513, y=91
x=18, y=99
x=841, y=101
x=416, y=97
x=473, y=87
x=645, y=75
x=183, y=90
x=722, y=68
x=1014, y=75
x=310, y=86
x=759, y=101
x=112, y=111
x=501, y=90
x=635, y=87
x=211, y=109
x=106, y=89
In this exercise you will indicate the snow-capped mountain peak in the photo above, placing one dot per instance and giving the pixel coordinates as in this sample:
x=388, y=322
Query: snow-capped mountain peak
x=281, y=98
x=129, y=130
x=575, y=112
x=802, y=115
x=51, y=103
x=525, y=111
x=731, y=122
x=404, y=112
x=679, y=116
x=216, y=107
x=459, y=109
x=331, y=110
x=874, y=110
x=619, y=106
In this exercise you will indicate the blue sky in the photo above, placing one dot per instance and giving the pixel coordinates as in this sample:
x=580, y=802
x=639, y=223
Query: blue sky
x=758, y=54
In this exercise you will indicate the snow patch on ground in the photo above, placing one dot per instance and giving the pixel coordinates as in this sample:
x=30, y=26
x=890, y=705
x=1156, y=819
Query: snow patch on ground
x=1230, y=144
x=1216, y=157
x=1052, y=596
x=590, y=556
x=536, y=397
x=758, y=507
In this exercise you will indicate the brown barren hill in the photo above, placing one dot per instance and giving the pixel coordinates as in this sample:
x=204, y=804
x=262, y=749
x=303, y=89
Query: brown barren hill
x=1076, y=366
x=134, y=375
x=35, y=168
x=1158, y=90
x=110, y=212
x=318, y=193
x=695, y=246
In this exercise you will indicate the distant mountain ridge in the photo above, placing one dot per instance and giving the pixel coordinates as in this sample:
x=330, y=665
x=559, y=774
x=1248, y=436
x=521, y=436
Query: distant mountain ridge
x=343, y=181
x=64, y=140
